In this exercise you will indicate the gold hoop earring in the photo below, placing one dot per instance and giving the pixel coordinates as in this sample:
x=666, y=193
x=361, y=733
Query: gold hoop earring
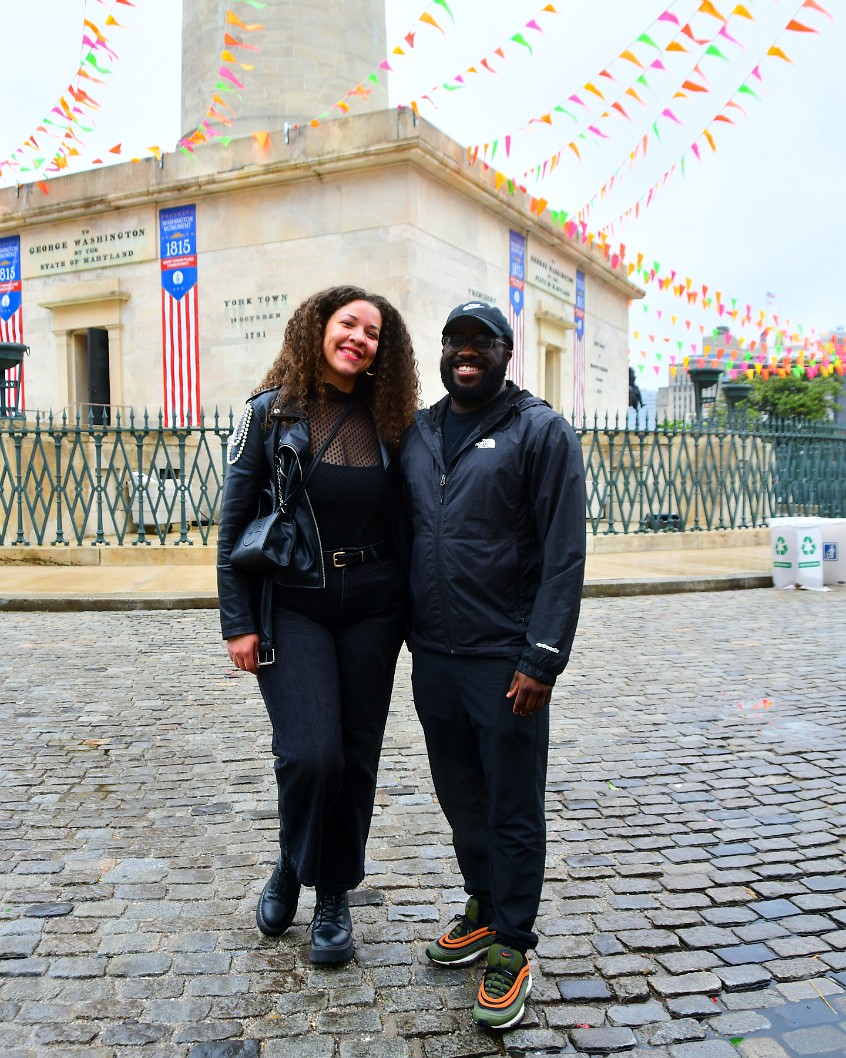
x=370, y=373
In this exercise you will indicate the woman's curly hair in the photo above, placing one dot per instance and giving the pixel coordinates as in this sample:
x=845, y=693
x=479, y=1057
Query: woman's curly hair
x=394, y=390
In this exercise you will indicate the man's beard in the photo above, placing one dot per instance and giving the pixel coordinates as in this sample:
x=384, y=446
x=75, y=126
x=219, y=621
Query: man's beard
x=476, y=395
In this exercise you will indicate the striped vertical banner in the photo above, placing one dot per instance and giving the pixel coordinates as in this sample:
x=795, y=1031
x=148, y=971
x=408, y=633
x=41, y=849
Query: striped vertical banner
x=180, y=315
x=516, y=303
x=11, y=313
x=579, y=351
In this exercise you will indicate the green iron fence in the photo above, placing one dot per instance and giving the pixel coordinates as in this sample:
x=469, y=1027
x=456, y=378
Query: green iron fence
x=134, y=482
x=127, y=481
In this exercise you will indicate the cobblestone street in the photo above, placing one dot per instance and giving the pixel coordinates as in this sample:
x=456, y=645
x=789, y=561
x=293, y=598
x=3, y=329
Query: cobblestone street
x=695, y=897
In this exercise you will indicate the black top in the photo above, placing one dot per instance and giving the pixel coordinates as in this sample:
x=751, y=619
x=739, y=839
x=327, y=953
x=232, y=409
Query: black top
x=457, y=427
x=348, y=491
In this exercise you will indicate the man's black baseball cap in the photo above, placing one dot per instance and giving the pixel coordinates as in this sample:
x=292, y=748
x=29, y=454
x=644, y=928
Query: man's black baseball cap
x=492, y=318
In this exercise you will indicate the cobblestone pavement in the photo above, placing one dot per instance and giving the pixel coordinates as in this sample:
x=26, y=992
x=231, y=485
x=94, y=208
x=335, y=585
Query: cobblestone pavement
x=696, y=883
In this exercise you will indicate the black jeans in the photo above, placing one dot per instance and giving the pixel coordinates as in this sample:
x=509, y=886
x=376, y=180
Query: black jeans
x=327, y=695
x=489, y=771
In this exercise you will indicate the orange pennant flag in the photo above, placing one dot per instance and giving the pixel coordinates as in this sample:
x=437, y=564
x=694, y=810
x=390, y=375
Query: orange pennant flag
x=632, y=58
x=798, y=27
x=708, y=9
x=261, y=138
x=426, y=17
x=816, y=7
x=233, y=20
x=231, y=42
x=94, y=30
x=115, y=149
x=777, y=53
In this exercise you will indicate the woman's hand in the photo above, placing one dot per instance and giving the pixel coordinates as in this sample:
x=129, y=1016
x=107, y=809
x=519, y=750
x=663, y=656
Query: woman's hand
x=243, y=652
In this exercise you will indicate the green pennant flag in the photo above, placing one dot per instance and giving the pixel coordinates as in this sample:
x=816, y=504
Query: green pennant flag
x=445, y=6
x=745, y=88
x=563, y=110
x=89, y=58
x=644, y=38
x=518, y=38
x=714, y=50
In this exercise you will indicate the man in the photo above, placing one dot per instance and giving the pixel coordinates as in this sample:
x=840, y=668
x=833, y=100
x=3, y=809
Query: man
x=495, y=486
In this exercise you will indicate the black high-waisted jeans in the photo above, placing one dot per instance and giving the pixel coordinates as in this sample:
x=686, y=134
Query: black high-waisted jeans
x=327, y=695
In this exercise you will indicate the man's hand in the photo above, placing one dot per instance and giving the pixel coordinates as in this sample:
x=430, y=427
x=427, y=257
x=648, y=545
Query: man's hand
x=243, y=652
x=529, y=695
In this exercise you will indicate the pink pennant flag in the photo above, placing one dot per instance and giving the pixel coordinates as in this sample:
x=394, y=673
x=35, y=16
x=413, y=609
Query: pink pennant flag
x=230, y=77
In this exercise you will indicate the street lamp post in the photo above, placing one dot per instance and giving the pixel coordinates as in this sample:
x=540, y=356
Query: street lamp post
x=11, y=355
x=703, y=378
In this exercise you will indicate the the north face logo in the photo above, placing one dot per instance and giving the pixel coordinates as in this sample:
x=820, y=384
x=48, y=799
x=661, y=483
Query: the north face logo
x=486, y=442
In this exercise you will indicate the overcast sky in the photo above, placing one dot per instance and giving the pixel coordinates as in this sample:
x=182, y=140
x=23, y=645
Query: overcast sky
x=761, y=215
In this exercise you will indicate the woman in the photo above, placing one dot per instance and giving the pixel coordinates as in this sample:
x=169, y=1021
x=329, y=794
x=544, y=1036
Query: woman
x=346, y=364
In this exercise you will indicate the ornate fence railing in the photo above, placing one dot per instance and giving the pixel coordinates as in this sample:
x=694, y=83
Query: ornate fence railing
x=134, y=482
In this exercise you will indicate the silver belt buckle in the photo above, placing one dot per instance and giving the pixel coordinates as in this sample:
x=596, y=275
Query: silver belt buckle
x=270, y=661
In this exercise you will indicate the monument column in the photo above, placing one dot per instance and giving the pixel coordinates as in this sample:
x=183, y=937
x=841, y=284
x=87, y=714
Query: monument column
x=310, y=56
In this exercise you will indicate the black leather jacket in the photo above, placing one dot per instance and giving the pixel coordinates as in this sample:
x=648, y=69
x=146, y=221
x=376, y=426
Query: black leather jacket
x=247, y=492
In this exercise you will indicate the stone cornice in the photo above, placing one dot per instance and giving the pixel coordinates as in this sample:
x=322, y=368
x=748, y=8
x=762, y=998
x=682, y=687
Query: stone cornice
x=379, y=140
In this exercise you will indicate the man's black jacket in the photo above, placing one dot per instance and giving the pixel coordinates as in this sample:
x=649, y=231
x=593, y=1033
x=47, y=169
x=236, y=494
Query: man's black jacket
x=498, y=547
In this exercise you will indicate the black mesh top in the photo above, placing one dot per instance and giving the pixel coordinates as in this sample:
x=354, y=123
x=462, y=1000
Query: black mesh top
x=347, y=491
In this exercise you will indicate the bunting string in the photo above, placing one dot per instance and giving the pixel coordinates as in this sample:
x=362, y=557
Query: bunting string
x=220, y=115
x=458, y=81
x=690, y=81
x=374, y=79
x=65, y=122
x=727, y=114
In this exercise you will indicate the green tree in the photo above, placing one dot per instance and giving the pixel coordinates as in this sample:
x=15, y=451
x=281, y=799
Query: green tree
x=796, y=396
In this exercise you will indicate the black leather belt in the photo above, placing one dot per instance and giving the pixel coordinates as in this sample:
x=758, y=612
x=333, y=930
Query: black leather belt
x=355, y=556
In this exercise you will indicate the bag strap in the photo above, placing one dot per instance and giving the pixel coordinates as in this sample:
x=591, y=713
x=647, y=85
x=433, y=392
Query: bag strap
x=267, y=655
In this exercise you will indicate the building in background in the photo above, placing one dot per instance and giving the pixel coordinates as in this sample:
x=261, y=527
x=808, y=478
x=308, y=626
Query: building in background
x=168, y=284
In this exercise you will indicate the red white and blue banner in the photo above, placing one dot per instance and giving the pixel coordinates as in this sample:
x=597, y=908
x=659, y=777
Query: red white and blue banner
x=11, y=307
x=579, y=351
x=516, y=303
x=180, y=315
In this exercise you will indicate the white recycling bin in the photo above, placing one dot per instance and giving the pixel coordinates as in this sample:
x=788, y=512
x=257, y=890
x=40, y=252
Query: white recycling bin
x=833, y=550
x=796, y=547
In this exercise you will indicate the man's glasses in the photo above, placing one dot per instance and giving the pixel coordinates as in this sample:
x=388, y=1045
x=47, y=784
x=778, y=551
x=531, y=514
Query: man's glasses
x=482, y=343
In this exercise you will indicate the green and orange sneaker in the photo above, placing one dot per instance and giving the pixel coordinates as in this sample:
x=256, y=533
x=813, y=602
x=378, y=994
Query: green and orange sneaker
x=465, y=942
x=506, y=982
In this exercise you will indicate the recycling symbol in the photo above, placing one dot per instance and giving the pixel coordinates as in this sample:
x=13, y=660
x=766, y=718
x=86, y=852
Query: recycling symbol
x=781, y=546
x=808, y=546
